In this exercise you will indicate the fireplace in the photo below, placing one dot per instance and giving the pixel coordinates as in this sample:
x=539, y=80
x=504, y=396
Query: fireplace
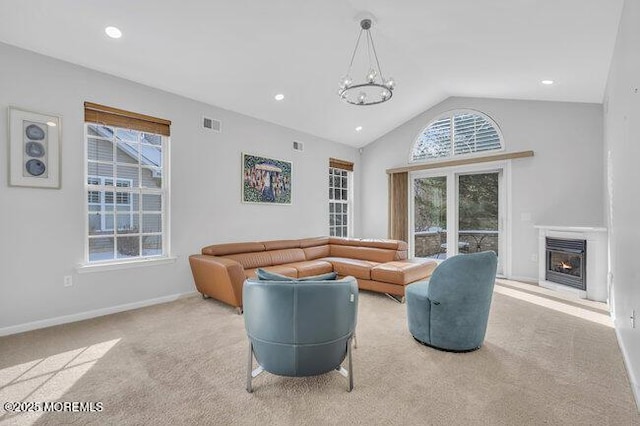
x=566, y=262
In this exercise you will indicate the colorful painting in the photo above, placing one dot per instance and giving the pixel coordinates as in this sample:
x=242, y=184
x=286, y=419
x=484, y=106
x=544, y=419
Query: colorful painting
x=265, y=180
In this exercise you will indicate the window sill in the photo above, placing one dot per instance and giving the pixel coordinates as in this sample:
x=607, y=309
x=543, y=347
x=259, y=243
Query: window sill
x=127, y=264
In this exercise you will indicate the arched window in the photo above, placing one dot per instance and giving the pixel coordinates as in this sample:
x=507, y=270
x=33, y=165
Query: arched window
x=457, y=133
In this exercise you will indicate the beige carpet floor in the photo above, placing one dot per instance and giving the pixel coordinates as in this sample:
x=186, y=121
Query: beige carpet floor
x=184, y=363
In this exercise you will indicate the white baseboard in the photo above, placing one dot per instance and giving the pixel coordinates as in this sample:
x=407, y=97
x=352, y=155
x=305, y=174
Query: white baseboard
x=635, y=384
x=34, y=325
x=528, y=280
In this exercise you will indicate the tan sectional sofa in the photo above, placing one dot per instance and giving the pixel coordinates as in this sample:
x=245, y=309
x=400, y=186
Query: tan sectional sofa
x=378, y=265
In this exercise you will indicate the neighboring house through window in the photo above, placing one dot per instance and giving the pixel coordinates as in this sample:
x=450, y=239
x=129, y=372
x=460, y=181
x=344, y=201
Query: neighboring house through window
x=127, y=189
x=340, y=198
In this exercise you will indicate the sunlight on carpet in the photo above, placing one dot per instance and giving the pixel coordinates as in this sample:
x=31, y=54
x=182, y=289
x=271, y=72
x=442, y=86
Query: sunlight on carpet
x=575, y=311
x=46, y=379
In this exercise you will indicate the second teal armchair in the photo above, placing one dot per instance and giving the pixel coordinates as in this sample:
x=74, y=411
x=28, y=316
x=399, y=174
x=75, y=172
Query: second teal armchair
x=450, y=311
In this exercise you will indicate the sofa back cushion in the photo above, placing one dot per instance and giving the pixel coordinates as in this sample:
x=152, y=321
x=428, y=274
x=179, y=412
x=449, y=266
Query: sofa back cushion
x=363, y=253
x=278, y=257
x=232, y=248
x=281, y=244
x=252, y=260
x=317, y=252
x=314, y=242
x=363, y=242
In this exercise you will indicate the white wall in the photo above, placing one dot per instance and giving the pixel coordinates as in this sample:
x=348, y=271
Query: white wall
x=41, y=231
x=622, y=153
x=561, y=185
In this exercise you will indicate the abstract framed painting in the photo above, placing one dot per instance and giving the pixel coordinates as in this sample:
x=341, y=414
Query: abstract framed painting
x=266, y=180
x=34, y=149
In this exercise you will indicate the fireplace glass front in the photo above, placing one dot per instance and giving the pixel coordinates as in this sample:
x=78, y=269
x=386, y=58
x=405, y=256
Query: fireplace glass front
x=566, y=262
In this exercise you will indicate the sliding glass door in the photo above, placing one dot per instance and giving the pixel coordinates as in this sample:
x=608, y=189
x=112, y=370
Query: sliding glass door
x=430, y=216
x=457, y=211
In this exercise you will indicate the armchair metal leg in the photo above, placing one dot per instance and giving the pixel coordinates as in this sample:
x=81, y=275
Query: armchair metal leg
x=399, y=299
x=348, y=373
x=350, y=388
x=355, y=341
x=251, y=372
x=250, y=368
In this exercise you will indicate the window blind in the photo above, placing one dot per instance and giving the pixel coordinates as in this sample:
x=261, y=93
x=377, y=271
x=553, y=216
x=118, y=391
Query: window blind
x=340, y=164
x=109, y=116
x=456, y=134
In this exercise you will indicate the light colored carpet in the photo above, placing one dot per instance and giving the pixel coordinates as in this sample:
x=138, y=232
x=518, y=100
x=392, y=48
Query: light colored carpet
x=184, y=363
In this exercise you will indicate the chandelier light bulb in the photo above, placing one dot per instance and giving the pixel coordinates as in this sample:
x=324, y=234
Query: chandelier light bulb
x=385, y=94
x=362, y=97
x=390, y=83
x=371, y=75
x=345, y=82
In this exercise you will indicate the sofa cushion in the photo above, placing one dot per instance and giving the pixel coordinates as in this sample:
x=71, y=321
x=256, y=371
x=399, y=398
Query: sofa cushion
x=316, y=252
x=312, y=267
x=278, y=269
x=404, y=272
x=354, y=267
x=363, y=253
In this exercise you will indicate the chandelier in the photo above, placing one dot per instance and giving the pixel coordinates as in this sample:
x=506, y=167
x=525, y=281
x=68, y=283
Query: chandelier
x=375, y=88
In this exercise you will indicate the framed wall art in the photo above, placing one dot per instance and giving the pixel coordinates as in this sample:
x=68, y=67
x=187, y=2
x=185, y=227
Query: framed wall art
x=265, y=180
x=34, y=149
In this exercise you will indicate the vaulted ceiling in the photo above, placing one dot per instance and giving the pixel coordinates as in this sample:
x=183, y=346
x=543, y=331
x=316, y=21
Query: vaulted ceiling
x=238, y=54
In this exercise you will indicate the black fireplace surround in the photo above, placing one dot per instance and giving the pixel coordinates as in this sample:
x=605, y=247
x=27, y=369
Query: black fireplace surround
x=566, y=262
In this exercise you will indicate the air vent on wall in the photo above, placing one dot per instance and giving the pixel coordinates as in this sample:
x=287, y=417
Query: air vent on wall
x=297, y=146
x=212, y=124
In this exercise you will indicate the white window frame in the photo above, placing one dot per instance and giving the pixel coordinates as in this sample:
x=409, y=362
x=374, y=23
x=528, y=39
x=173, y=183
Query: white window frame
x=348, y=202
x=450, y=114
x=102, y=188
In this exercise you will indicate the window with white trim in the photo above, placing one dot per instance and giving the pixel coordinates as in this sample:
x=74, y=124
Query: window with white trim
x=457, y=133
x=340, y=204
x=127, y=206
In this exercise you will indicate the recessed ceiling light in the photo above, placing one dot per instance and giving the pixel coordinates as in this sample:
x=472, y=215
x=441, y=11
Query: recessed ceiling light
x=547, y=82
x=358, y=128
x=113, y=32
x=279, y=97
x=51, y=124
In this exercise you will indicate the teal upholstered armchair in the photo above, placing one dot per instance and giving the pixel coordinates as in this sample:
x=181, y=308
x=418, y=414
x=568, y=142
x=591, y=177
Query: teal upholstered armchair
x=300, y=328
x=451, y=310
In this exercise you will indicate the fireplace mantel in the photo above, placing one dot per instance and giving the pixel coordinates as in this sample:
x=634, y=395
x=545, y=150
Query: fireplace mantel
x=596, y=270
x=572, y=228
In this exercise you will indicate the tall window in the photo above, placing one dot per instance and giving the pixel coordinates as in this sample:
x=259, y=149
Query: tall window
x=126, y=185
x=340, y=198
x=457, y=133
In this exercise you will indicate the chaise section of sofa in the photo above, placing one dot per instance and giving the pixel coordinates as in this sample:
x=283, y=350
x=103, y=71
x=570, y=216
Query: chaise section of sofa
x=378, y=265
